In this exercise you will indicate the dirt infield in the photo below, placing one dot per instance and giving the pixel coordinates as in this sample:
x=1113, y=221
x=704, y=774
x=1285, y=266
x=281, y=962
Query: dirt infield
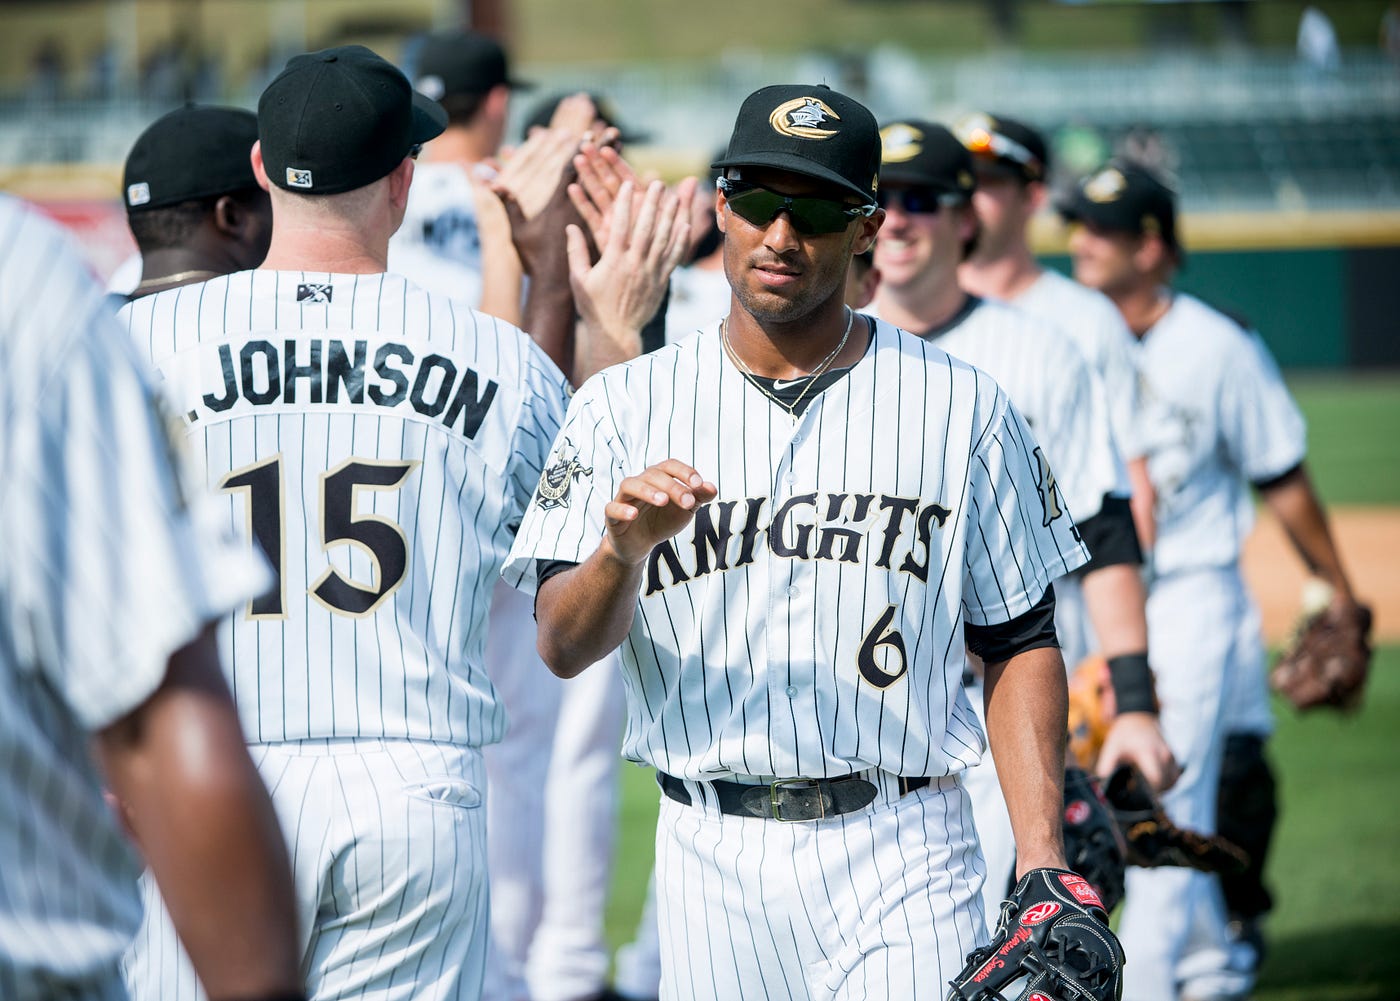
x=1370, y=542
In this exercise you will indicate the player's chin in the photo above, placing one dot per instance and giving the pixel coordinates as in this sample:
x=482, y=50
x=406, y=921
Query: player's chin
x=777, y=305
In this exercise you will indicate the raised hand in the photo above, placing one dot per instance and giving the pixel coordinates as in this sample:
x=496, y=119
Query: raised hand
x=653, y=506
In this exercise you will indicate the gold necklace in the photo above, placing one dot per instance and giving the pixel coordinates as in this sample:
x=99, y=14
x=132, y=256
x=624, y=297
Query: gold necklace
x=178, y=276
x=756, y=380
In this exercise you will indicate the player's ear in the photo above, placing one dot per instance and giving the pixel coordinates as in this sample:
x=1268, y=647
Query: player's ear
x=399, y=180
x=1036, y=194
x=228, y=216
x=259, y=172
x=869, y=228
x=1151, y=255
x=720, y=203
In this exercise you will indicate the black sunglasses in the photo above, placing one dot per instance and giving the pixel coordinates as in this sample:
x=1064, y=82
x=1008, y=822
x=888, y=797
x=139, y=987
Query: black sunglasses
x=810, y=216
x=917, y=201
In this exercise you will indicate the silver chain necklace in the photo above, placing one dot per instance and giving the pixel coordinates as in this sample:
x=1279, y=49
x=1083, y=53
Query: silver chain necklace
x=757, y=381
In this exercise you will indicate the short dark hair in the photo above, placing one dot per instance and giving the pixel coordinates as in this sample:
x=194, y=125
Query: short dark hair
x=462, y=108
x=173, y=226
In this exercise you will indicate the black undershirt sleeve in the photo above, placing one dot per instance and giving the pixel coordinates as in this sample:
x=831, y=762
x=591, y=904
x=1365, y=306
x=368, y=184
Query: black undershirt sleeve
x=1030, y=630
x=1273, y=481
x=545, y=569
x=1110, y=536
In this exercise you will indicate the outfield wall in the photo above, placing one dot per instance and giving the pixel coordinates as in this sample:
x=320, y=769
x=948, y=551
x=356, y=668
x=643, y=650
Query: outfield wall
x=1316, y=308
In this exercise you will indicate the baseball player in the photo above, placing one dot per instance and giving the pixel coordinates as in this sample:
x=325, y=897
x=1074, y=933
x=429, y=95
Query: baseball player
x=926, y=184
x=1011, y=162
x=439, y=243
x=193, y=205
x=379, y=443
x=792, y=628
x=110, y=581
x=1217, y=419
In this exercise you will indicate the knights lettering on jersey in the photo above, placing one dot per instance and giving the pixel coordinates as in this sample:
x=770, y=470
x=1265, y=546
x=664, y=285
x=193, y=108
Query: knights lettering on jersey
x=805, y=527
x=296, y=371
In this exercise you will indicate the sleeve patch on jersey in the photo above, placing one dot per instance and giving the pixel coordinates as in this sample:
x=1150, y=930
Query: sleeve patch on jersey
x=1050, y=504
x=557, y=480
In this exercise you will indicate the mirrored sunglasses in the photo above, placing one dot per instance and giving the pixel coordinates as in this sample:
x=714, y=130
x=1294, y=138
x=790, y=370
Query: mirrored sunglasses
x=810, y=216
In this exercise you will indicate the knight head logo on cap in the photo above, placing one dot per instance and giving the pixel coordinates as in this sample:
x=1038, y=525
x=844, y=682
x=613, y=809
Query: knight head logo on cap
x=803, y=118
x=1105, y=186
x=901, y=142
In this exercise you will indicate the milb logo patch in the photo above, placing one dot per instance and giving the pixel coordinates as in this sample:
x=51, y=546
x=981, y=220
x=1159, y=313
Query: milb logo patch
x=298, y=178
x=314, y=293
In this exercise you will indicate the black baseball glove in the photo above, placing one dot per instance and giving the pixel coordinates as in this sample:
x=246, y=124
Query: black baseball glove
x=1051, y=944
x=1153, y=840
x=1094, y=845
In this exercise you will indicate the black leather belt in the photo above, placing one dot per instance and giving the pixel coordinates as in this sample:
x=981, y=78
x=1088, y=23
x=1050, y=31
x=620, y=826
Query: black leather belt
x=790, y=800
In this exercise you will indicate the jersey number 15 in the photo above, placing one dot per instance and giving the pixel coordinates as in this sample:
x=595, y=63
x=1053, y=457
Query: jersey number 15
x=341, y=524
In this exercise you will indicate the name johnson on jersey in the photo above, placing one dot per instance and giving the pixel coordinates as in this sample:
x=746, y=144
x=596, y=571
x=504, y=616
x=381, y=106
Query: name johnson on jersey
x=272, y=369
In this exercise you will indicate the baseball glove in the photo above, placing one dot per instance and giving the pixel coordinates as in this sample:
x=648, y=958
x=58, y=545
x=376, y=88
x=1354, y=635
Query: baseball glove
x=1327, y=662
x=1094, y=844
x=1153, y=840
x=1052, y=943
x=1091, y=710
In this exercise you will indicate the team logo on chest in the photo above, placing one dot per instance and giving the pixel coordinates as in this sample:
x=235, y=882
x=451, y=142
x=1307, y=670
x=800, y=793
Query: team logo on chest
x=557, y=480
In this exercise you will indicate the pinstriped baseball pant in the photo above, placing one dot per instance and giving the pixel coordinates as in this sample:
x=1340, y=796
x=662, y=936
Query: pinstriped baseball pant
x=388, y=847
x=878, y=903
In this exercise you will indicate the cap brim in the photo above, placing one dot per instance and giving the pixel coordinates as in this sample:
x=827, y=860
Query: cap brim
x=996, y=166
x=895, y=174
x=429, y=118
x=797, y=165
x=1080, y=209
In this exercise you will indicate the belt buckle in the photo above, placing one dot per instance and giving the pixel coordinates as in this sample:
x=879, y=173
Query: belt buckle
x=773, y=789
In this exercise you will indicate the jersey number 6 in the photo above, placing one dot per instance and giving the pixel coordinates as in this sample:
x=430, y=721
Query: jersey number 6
x=341, y=524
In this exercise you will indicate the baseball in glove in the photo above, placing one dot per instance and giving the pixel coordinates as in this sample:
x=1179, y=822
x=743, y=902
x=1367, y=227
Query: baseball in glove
x=1094, y=845
x=1052, y=943
x=1153, y=840
x=1327, y=662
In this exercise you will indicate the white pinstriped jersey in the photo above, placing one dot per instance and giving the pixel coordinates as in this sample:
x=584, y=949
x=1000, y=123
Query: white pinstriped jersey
x=1218, y=416
x=1091, y=320
x=382, y=444
x=1052, y=386
x=438, y=246
x=809, y=621
x=107, y=571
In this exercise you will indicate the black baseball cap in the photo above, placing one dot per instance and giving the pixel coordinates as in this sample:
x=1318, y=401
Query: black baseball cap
x=1004, y=145
x=340, y=119
x=462, y=62
x=926, y=155
x=540, y=115
x=1127, y=198
x=810, y=130
x=198, y=151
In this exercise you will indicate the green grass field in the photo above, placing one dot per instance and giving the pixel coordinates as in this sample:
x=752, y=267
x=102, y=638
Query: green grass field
x=1353, y=444
x=1335, y=872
